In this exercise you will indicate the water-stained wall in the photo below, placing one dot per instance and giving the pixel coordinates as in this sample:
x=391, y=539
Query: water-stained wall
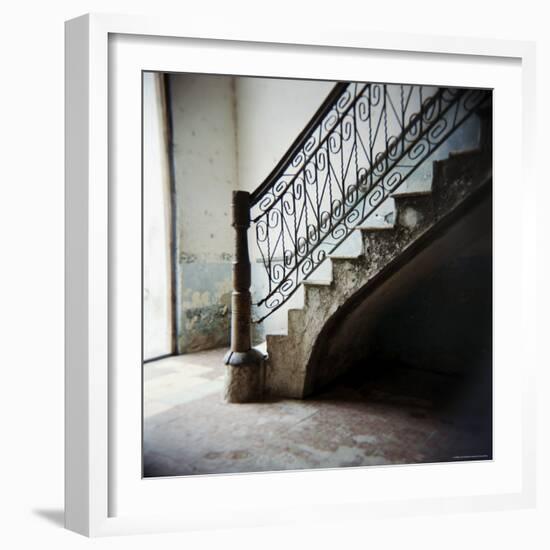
x=205, y=174
x=228, y=134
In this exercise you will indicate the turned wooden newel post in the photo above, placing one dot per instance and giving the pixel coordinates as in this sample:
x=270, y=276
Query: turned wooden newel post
x=240, y=301
x=245, y=365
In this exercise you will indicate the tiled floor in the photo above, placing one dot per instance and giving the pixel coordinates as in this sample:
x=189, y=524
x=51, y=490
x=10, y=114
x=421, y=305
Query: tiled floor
x=394, y=415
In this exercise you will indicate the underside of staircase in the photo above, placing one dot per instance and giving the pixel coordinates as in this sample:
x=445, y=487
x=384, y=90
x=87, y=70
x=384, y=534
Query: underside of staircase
x=459, y=183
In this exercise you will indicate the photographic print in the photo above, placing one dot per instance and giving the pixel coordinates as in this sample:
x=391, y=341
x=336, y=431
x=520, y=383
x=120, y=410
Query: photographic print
x=316, y=274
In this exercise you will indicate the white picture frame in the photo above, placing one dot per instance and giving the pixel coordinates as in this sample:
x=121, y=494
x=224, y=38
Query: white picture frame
x=104, y=493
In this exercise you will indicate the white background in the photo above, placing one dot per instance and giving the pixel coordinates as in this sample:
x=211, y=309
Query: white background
x=31, y=278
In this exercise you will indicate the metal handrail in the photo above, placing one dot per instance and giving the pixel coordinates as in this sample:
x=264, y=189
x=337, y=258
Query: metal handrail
x=361, y=145
x=299, y=142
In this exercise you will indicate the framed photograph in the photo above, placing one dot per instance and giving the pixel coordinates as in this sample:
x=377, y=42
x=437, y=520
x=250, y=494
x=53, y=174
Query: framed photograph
x=290, y=294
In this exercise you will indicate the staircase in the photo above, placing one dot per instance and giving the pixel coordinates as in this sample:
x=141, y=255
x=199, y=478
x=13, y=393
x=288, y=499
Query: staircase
x=365, y=184
x=458, y=182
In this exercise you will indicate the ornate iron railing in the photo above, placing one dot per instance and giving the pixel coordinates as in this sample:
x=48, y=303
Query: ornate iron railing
x=359, y=148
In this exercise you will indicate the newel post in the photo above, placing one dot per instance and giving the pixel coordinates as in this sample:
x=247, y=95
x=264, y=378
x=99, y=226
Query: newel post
x=245, y=365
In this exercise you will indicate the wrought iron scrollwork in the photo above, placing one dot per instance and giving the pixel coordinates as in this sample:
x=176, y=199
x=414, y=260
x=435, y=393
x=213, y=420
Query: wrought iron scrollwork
x=361, y=147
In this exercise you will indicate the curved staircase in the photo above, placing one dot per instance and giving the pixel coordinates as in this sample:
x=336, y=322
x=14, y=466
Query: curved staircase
x=457, y=181
x=357, y=172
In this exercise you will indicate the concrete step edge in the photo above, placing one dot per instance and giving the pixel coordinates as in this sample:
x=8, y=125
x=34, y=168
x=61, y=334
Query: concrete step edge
x=412, y=194
x=317, y=282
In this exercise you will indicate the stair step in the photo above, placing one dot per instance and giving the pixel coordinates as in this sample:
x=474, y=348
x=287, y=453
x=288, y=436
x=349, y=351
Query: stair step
x=270, y=338
x=317, y=282
x=464, y=153
x=408, y=194
x=384, y=227
x=344, y=256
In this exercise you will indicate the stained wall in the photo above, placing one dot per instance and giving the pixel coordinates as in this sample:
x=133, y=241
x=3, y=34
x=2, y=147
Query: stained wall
x=205, y=174
x=228, y=134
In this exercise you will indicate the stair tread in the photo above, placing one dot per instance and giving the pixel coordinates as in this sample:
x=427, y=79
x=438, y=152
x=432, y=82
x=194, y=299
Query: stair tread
x=320, y=282
x=418, y=193
x=344, y=256
x=373, y=227
x=275, y=334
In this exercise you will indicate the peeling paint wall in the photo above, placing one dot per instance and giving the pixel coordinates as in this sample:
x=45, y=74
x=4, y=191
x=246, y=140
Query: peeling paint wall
x=205, y=170
x=229, y=132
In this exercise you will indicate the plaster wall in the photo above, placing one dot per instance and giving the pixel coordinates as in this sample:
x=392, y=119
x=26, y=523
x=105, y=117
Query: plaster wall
x=205, y=173
x=228, y=133
x=270, y=114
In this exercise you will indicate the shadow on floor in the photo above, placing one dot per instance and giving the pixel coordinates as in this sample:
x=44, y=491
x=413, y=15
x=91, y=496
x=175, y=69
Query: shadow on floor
x=53, y=516
x=461, y=403
x=390, y=414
